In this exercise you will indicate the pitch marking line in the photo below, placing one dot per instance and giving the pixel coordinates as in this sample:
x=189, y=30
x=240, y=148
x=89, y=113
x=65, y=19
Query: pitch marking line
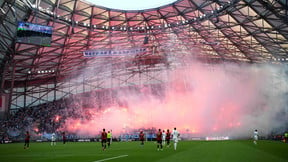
x=116, y=157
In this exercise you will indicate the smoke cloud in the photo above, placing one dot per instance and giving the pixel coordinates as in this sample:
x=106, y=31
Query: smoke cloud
x=200, y=100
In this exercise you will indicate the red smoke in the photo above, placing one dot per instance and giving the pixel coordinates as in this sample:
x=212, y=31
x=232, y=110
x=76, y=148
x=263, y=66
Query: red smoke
x=198, y=100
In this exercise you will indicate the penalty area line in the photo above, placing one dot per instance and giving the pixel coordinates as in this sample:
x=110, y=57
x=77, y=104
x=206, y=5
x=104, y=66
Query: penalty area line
x=116, y=157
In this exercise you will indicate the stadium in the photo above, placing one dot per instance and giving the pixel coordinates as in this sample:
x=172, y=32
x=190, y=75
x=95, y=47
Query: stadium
x=216, y=70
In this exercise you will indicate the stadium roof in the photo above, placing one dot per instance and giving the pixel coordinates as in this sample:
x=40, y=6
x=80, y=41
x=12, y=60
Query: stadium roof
x=213, y=31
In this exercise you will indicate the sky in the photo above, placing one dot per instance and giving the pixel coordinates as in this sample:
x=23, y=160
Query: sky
x=131, y=4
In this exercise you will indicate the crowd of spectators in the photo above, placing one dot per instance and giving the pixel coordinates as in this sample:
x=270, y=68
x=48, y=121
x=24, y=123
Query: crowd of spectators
x=50, y=117
x=44, y=118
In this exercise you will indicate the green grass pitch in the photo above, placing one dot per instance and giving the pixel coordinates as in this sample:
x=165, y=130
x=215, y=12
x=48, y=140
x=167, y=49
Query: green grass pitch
x=187, y=151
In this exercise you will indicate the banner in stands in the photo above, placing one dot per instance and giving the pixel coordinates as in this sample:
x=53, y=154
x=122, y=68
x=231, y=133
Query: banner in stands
x=3, y=102
x=3, y=105
x=113, y=52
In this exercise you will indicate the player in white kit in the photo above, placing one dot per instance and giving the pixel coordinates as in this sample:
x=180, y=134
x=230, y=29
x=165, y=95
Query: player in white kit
x=255, y=137
x=163, y=137
x=53, y=139
x=175, y=135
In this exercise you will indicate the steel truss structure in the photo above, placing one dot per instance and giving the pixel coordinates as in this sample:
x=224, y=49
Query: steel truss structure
x=213, y=31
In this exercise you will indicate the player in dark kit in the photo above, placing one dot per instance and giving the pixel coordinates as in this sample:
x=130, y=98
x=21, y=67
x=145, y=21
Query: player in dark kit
x=168, y=136
x=27, y=140
x=141, y=138
x=63, y=137
x=103, y=139
x=159, y=140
